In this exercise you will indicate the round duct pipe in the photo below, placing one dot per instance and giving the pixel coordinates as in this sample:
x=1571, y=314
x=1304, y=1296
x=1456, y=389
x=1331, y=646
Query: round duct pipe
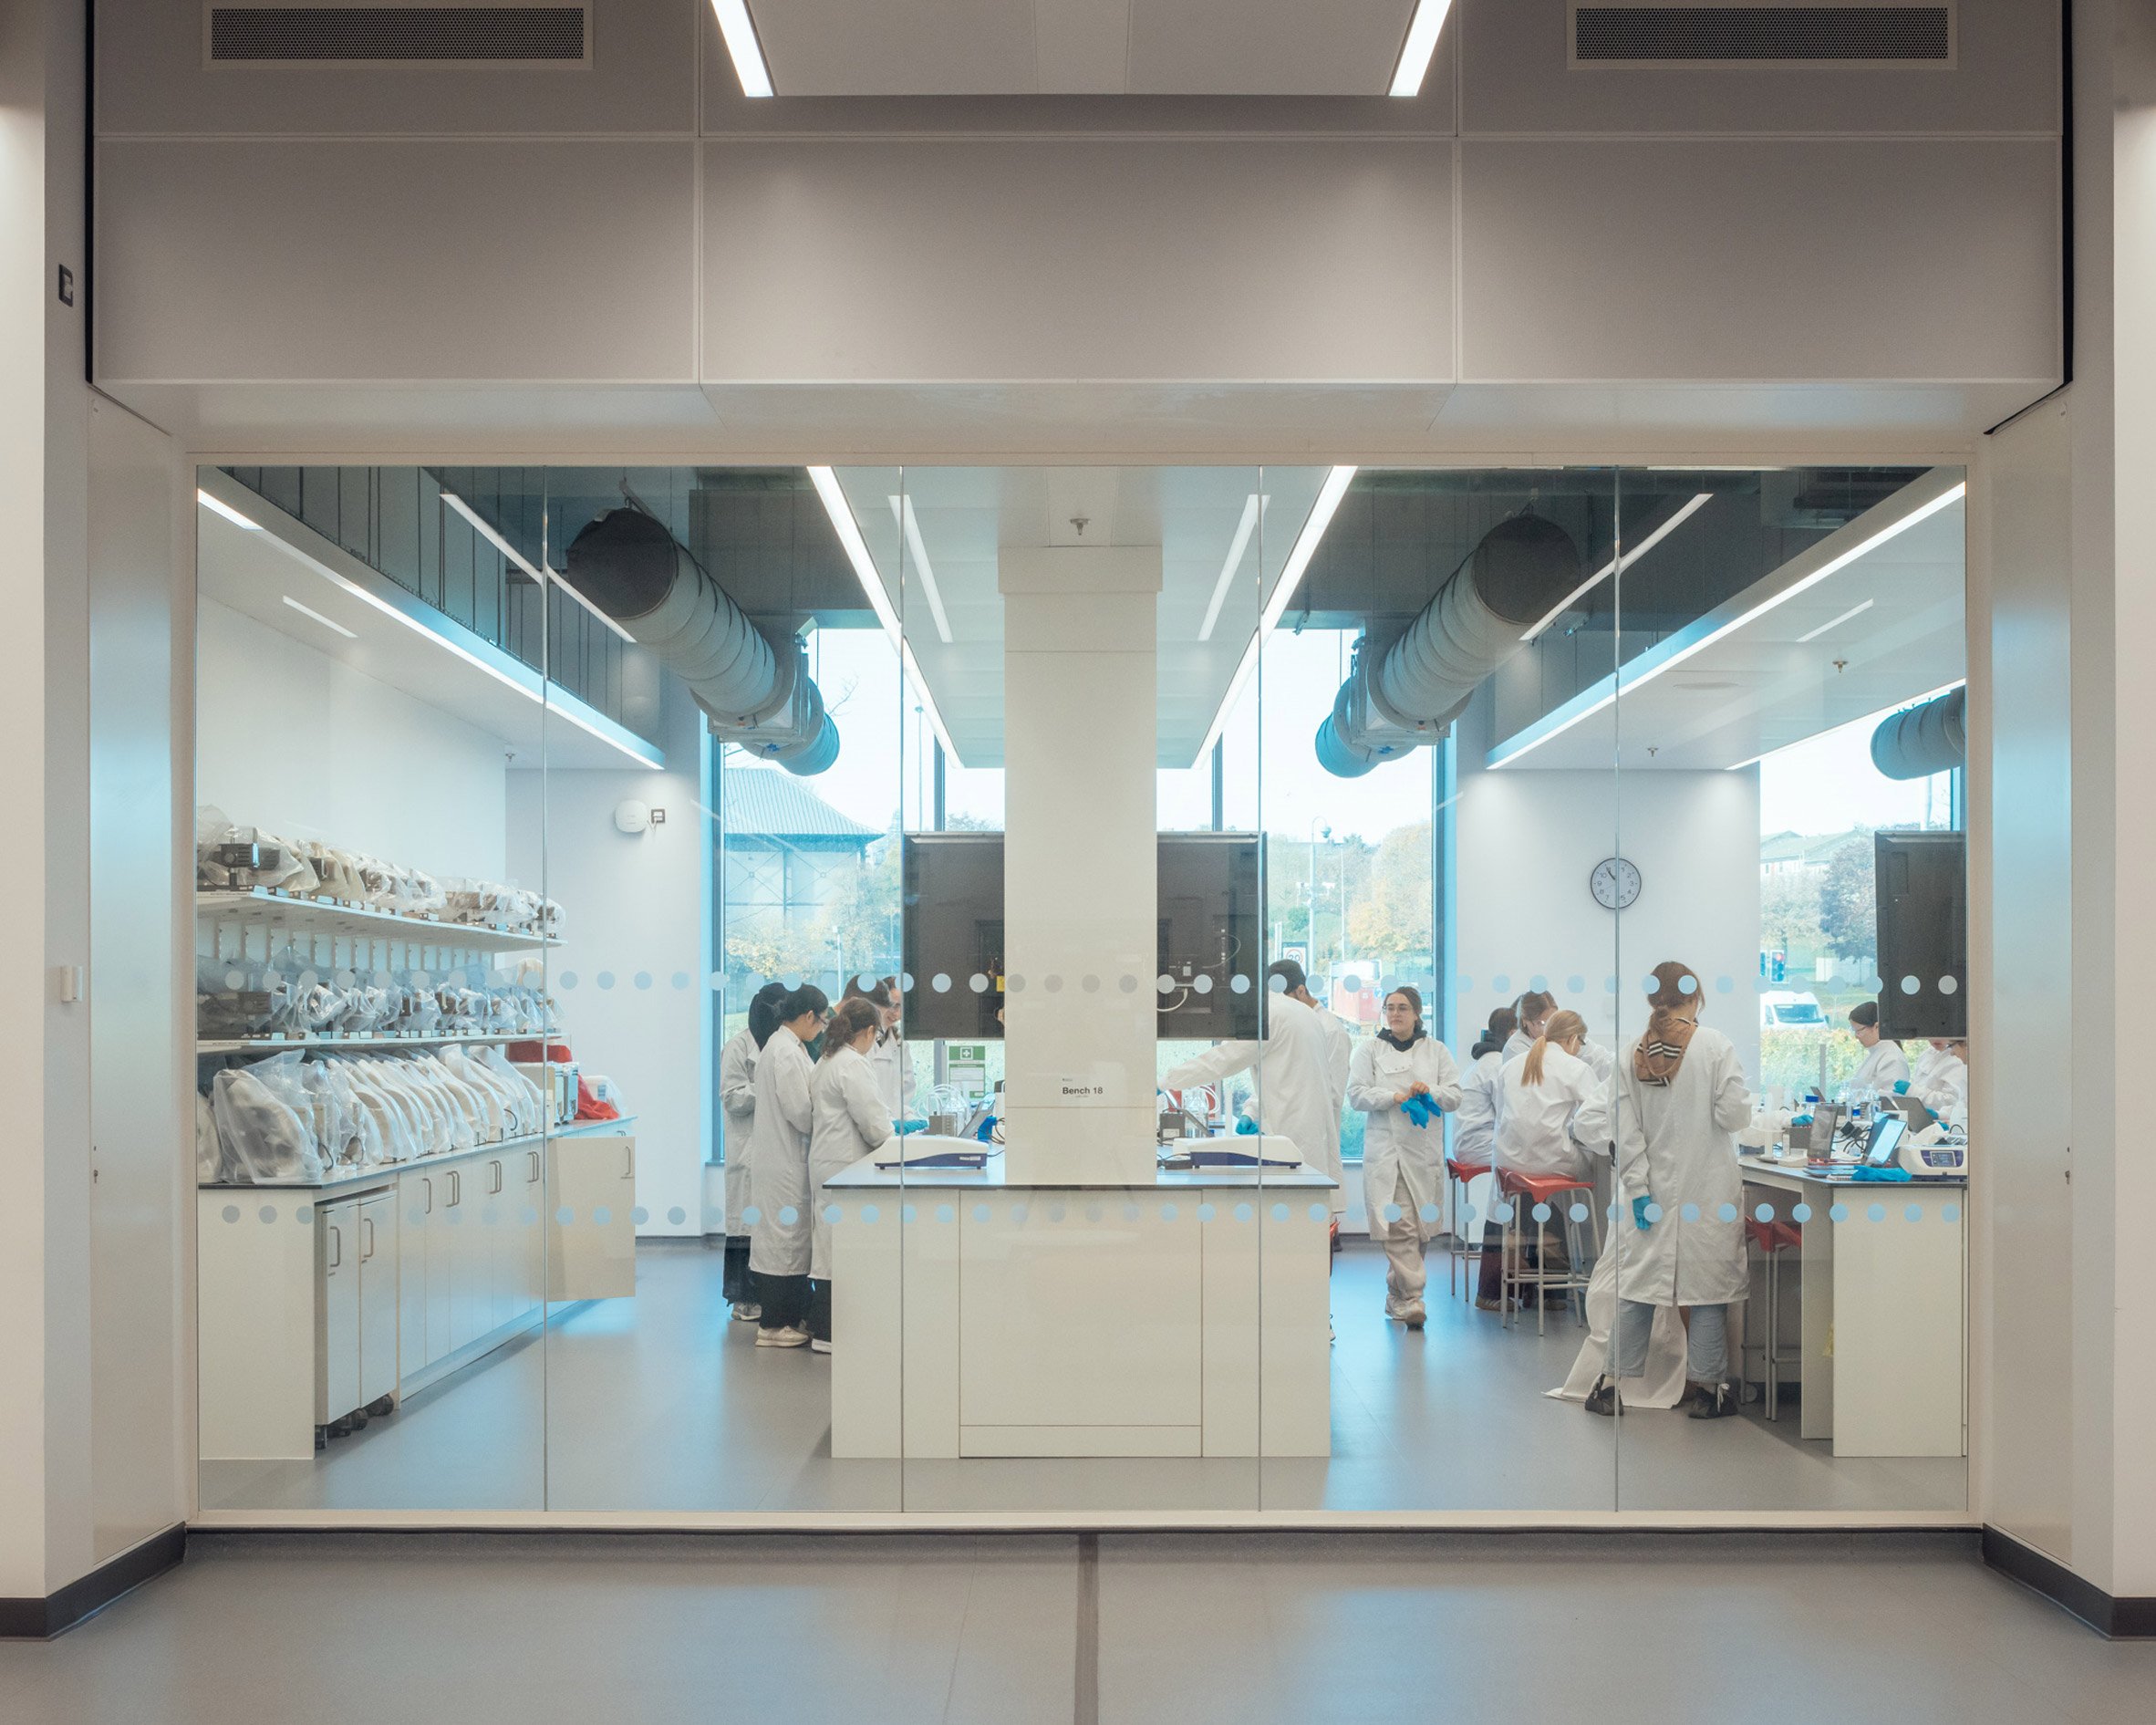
x=1920, y=741
x=1411, y=691
x=756, y=691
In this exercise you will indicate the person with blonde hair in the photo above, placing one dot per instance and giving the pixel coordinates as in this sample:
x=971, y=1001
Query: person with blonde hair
x=849, y=1121
x=1540, y=1094
x=1677, y=1102
x=1532, y=1013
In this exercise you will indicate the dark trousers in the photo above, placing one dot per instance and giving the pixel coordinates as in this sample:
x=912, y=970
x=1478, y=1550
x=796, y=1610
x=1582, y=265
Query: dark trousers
x=819, y=1309
x=1533, y=1247
x=785, y=1300
x=735, y=1274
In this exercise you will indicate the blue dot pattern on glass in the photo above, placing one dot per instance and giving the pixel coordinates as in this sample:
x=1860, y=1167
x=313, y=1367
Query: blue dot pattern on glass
x=1578, y=1213
x=1279, y=1212
x=1764, y=1214
x=1727, y=1212
x=1168, y=1212
x=1915, y=1212
x=980, y=1212
x=1876, y=1212
x=1800, y=1212
x=231, y=1212
x=1652, y=1213
x=1950, y=1212
x=906, y=1212
x=1690, y=1212
x=830, y=1214
x=1541, y=1212
x=1018, y=1212
x=1205, y=1213
x=1242, y=1212
x=1503, y=1212
x=639, y=1215
x=1055, y=1212
x=1317, y=1212
x=944, y=1212
x=789, y=1216
x=1838, y=1212
x=751, y=1216
x=1392, y=1212
x=565, y=1215
x=1428, y=1212
x=676, y=1215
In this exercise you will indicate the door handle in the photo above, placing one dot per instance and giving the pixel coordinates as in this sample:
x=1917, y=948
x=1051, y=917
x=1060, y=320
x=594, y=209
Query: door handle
x=456, y=1179
x=497, y=1186
x=629, y=1157
x=337, y=1246
x=428, y=1181
x=365, y=1237
x=535, y=1174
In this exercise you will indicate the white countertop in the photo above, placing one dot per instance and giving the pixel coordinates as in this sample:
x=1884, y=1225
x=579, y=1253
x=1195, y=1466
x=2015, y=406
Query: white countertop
x=864, y=1176
x=1838, y=1175
x=382, y=1173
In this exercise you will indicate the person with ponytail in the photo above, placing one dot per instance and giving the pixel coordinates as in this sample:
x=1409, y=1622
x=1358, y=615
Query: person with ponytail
x=737, y=1099
x=1677, y=1100
x=1534, y=1011
x=1400, y=1069
x=849, y=1121
x=1543, y=1091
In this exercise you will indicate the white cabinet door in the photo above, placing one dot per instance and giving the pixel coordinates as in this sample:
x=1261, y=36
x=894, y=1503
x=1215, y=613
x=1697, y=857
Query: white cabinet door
x=415, y=1198
x=442, y=1267
x=592, y=1255
x=379, y=1301
x=528, y=1181
x=336, y=1354
x=471, y=1312
x=497, y=1216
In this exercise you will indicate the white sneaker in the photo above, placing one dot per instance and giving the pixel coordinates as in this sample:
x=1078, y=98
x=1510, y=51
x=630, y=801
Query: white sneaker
x=745, y=1312
x=788, y=1337
x=817, y=1344
x=1414, y=1315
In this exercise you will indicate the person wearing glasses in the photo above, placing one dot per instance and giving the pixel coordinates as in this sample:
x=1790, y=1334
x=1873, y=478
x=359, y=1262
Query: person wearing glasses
x=780, y=1222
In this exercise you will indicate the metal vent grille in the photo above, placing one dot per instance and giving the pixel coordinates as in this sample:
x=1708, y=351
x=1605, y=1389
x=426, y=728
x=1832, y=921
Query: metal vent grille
x=1762, y=35
x=399, y=36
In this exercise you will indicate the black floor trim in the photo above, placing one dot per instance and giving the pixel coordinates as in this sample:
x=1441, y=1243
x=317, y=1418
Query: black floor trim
x=2121, y=1619
x=41, y=1619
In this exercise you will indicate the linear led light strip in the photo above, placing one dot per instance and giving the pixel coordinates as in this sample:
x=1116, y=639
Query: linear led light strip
x=1243, y=530
x=1899, y=706
x=1870, y=541
x=516, y=556
x=1854, y=610
x=741, y=46
x=412, y=623
x=856, y=549
x=1615, y=563
x=1306, y=548
x=902, y=511
x=1421, y=44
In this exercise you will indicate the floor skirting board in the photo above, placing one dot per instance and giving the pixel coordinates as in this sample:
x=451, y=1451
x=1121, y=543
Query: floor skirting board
x=41, y=1619
x=2120, y=1619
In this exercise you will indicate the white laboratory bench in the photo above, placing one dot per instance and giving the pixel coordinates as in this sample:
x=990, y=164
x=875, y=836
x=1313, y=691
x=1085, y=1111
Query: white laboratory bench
x=321, y=1300
x=975, y=1317
x=1881, y=1330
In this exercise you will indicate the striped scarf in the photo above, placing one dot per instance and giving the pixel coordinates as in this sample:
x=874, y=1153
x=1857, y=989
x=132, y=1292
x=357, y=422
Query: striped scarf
x=1662, y=1049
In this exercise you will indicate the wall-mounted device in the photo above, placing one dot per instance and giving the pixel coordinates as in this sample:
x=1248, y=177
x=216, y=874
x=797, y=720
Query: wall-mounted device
x=1921, y=882
x=1209, y=907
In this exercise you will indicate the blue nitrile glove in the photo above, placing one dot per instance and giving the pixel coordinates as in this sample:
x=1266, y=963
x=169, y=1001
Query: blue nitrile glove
x=1892, y=1176
x=912, y=1126
x=1245, y=1127
x=1639, y=1212
x=1901, y=1086
x=1418, y=1108
x=986, y=1130
x=1800, y=1119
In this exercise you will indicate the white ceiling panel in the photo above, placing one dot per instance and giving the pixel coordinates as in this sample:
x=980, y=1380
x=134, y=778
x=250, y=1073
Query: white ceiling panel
x=897, y=47
x=1272, y=48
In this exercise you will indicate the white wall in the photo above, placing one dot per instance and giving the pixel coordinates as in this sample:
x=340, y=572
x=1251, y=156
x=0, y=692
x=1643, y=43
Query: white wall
x=300, y=743
x=635, y=907
x=1525, y=842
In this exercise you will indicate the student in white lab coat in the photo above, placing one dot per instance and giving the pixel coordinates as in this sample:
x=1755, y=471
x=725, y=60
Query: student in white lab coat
x=1678, y=1100
x=1883, y=1065
x=1929, y=1060
x=1533, y=1010
x=1946, y=1091
x=1295, y=1085
x=778, y=1171
x=737, y=1098
x=1403, y=1163
x=850, y=1122
x=1474, y=1136
x=888, y=1057
x=1339, y=1049
x=1539, y=1095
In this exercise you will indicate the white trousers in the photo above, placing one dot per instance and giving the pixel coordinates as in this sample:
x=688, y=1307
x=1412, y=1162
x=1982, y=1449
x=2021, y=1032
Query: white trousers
x=1402, y=1240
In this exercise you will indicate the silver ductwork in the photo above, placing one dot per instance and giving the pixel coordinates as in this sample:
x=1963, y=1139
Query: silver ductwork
x=1920, y=741
x=1408, y=691
x=755, y=688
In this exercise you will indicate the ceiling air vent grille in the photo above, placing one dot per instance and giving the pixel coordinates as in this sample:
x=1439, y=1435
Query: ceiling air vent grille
x=481, y=35
x=1762, y=36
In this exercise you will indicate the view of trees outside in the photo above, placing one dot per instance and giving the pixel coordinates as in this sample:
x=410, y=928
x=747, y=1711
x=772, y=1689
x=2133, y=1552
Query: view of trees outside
x=1820, y=804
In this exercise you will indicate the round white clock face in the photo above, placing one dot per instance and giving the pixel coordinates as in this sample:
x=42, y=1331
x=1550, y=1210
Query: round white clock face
x=1616, y=883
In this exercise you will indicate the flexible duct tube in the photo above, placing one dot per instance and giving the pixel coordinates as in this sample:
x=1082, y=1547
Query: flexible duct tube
x=1921, y=741
x=755, y=691
x=1523, y=567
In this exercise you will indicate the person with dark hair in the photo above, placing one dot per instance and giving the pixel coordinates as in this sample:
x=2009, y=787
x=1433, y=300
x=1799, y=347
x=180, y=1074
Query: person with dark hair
x=1404, y=1152
x=1676, y=1105
x=849, y=1121
x=778, y=1171
x=1884, y=1065
x=1296, y=1095
x=888, y=1056
x=1533, y=1010
x=737, y=1103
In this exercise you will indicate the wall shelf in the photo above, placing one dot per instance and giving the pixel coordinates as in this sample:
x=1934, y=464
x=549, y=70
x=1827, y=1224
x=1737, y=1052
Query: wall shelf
x=259, y=909
x=357, y=1044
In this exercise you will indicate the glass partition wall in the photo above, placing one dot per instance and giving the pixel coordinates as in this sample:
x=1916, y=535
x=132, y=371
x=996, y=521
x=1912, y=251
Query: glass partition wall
x=748, y=991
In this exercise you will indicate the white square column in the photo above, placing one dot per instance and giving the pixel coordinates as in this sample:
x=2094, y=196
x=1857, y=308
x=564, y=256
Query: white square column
x=1081, y=870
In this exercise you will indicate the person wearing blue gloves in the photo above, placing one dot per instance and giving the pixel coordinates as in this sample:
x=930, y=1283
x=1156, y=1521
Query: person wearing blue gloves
x=1677, y=1100
x=1403, y=1079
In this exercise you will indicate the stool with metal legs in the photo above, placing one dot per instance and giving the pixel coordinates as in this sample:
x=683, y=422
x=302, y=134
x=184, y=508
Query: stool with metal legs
x=1461, y=1174
x=1775, y=1239
x=1560, y=1193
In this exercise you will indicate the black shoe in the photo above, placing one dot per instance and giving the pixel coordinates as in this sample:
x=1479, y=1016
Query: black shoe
x=1603, y=1399
x=1718, y=1403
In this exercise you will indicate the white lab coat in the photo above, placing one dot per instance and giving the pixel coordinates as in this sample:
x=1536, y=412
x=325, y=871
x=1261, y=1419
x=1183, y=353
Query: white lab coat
x=1294, y=1081
x=1535, y=1122
x=1676, y=1144
x=1946, y=1091
x=893, y=1069
x=778, y=1158
x=1662, y=1385
x=1340, y=1046
x=736, y=1097
x=1394, y=1147
x=1884, y=1066
x=1475, y=1126
x=850, y=1122
x=1927, y=1067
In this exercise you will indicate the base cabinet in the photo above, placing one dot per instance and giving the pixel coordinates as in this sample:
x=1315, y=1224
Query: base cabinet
x=591, y=1232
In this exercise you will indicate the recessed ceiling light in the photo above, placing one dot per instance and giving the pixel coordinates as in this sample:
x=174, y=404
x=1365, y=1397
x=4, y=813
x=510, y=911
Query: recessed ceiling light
x=741, y=46
x=308, y=610
x=227, y=511
x=910, y=525
x=1241, y=544
x=1611, y=566
x=1854, y=610
x=485, y=529
x=1421, y=44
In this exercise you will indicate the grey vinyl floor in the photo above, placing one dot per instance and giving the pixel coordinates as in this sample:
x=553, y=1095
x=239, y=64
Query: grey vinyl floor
x=659, y=1403
x=1243, y=1629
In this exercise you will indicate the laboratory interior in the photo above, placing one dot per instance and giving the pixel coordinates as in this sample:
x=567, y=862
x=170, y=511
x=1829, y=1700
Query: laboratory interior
x=1038, y=990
